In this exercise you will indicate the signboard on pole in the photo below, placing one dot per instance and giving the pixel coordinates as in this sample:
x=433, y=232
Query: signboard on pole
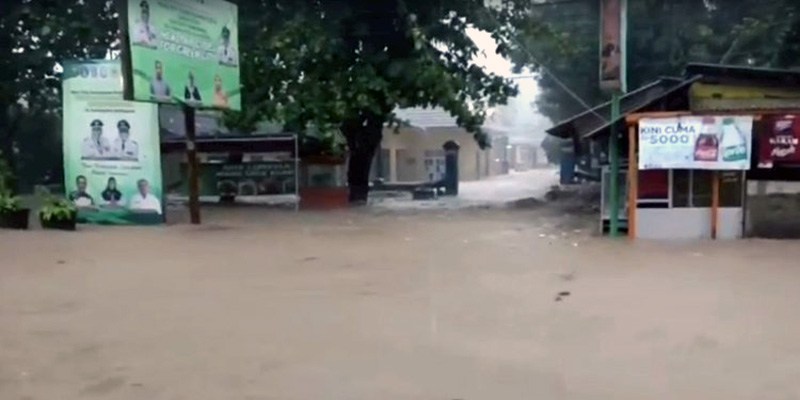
x=248, y=179
x=696, y=142
x=184, y=51
x=613, y=27
x=112, y=157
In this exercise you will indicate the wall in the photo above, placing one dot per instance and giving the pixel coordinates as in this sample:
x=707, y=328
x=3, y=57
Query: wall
x=687, y=223
x=523, y=157
x=773, y=209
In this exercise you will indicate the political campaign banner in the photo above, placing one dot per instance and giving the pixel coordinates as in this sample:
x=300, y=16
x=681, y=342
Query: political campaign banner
x=184, y=51
x=112, y=156
x=696, y=142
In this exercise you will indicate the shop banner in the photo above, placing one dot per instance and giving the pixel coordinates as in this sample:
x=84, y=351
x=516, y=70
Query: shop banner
x=696, y=142
x=112, y=157
x=245, y=179
x=779, y=140
x=185, y=50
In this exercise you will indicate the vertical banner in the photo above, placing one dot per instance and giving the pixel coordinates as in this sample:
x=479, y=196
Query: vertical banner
x=708, y=142
x=184, y=51
x=613, y=25
x=112, y=157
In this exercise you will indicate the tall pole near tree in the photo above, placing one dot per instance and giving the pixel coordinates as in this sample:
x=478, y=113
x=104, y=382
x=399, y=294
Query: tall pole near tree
x=613, y=159
x=191, y=164
x=613, y=27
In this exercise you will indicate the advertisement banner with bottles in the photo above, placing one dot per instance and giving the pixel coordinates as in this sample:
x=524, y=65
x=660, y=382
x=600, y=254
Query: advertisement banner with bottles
x=696, y=142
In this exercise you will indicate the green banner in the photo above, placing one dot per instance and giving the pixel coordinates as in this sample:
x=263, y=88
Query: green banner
x=245, y=179
x=112, y=156
x=185, y=50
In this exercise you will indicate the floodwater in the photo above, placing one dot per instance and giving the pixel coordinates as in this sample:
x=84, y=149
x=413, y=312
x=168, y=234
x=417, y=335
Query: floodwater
x=481, y=304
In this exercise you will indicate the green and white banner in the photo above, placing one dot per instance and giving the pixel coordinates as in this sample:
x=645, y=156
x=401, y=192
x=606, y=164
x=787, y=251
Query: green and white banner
x=185, y=50
x=112, y=156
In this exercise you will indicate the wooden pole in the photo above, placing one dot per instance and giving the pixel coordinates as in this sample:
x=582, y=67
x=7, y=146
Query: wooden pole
x=633, y=181
x=714, y=204
x=192, y=165
x=613, y=159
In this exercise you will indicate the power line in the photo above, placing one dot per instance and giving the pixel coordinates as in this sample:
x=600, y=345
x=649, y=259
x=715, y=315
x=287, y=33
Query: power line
x=555, y=78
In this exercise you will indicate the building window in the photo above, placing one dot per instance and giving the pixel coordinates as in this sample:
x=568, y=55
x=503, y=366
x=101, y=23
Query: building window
x=692, y=188
x=681, y=188
x=653, y=189
x=731, y=189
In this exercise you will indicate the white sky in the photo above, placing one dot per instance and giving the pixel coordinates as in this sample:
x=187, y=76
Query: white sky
x=527, y=120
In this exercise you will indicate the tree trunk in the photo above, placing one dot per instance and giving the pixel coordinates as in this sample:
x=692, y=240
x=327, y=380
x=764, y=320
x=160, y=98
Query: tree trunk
x=363, y=138
x=358, y=169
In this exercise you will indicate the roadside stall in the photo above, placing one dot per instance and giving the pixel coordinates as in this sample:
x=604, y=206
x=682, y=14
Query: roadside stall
x=688, y=174
x=687, y=178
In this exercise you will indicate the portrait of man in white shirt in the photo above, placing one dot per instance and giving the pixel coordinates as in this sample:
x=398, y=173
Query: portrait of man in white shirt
x=144, y=201
x=227, y=52
x=143, y=33
x=124, y=147
x=95, y=147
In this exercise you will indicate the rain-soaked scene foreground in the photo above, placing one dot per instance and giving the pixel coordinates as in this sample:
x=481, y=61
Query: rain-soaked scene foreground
x=513, y=302
x=399, y=199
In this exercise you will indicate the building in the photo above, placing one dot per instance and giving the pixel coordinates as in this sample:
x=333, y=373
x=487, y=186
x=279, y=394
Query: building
x=413, y=153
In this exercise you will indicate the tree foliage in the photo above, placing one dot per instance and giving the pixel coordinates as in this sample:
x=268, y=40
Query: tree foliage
x=333, y=64
x=348, y=64
x=560, y=39
x=35, y=35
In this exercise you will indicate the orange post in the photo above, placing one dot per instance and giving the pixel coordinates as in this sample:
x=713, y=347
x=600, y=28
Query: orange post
x=714, y=204
x=633, y=181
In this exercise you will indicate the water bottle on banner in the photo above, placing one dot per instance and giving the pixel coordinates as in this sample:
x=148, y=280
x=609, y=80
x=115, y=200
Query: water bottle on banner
x=734, y=143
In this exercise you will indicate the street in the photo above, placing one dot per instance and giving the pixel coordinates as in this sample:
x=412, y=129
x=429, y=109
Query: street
x=480, y=304
x=493, y=192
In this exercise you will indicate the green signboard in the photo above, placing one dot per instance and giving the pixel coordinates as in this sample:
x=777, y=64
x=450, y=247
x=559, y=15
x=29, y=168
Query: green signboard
x=112, y=157
x=184, y=51
x=246, y=179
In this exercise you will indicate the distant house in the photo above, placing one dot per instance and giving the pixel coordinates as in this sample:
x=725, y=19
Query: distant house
x=414, y=152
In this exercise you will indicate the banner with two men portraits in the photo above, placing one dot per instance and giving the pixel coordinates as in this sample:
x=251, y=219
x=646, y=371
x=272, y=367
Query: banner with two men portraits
x=181, y=51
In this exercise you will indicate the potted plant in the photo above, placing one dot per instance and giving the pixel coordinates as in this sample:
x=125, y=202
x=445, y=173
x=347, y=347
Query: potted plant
x=12, y=215
x=58, y=213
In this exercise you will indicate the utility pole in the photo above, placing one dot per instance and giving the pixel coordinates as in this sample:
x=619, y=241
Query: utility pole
x=191, y=164
x=613, y=157
x=613, y=38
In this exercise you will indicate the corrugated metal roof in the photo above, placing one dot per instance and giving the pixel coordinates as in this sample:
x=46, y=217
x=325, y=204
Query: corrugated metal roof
x=426, y=117
x=764, y=76
x=591, y=122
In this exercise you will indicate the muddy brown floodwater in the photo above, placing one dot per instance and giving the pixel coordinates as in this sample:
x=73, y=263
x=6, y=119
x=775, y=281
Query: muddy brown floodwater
x=481, y=304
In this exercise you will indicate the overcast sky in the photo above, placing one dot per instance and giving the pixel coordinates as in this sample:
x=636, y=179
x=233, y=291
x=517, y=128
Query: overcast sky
x=528, y=122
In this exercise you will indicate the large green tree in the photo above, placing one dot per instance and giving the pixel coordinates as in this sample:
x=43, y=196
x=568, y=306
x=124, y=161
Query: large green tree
x=332, y=64
x=559, y=39
x=35, y=35
x=348, y=64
